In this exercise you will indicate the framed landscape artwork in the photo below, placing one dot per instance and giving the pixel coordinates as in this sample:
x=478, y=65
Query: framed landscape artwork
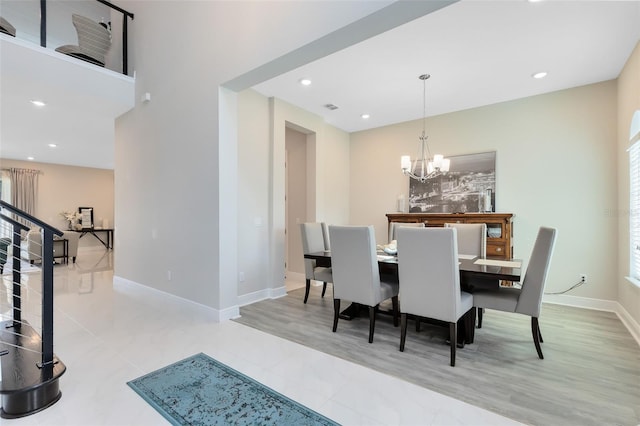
x=469, y=186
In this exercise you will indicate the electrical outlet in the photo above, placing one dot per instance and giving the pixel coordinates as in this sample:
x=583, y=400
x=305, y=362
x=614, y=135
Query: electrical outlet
x=583, y=278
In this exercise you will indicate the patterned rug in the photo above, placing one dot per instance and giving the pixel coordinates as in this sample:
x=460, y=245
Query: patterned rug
x=202, y=391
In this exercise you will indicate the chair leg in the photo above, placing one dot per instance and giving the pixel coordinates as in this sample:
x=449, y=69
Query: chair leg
x=336, y=313
x=306, y=290
x=403, y=330
x=540, y=334
x=535, y=330
x=324, y=288
x=479, y=313
x=453, y=339
x=396, y=310
x=372, y=322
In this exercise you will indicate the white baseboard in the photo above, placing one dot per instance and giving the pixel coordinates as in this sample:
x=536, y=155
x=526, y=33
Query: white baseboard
x=139, y=290
x=600, y=305
x=257, y=296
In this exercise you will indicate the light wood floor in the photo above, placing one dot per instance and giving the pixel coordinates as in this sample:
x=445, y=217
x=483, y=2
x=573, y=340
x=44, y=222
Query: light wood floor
x=590, y=374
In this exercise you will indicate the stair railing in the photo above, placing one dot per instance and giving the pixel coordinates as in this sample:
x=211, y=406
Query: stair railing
x=30, y=371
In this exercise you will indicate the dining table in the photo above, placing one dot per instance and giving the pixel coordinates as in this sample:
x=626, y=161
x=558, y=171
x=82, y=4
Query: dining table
x=475, y=273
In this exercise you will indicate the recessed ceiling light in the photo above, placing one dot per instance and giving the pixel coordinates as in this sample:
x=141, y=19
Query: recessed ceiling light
x=541, y=74
x=52, y=145
x=30, y=158
x=365, y=116
x=305, y=81
x=38, y=103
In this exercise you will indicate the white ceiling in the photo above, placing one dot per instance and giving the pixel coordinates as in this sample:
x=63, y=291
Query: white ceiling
x=478, y=53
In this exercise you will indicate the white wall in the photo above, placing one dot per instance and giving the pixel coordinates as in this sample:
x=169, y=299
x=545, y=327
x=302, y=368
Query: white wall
x=555, y=166
x=176, y=174
x=253, y=189
x=296, y=182
x=628, y=104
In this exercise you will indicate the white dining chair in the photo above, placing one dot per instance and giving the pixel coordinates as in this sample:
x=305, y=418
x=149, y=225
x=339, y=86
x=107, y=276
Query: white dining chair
x=313, y=240
x=527, y=299
x=393, y=227
x=472, y=238
x=429, y=276
x=472, y=241
x=356, y=277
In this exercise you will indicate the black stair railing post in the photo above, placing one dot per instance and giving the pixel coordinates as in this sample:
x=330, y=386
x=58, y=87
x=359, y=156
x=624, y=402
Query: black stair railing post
x=47, y=296
x=125, y=49
x=43, y=23
x=17, y=296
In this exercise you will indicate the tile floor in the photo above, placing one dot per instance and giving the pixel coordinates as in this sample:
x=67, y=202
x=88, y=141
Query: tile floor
x=107, y=336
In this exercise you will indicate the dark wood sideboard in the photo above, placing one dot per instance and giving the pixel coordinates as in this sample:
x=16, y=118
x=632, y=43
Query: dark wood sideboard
x=499, y=227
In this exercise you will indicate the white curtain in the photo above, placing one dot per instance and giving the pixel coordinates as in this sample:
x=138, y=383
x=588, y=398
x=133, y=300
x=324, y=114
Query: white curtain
x=24, y=189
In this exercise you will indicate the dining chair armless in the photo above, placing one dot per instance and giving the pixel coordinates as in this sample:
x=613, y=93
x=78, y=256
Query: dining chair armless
x=472, y=240
x=429, y=277
x=356, y=276
x=393, y=228
x=313, y=241
x=527, y=299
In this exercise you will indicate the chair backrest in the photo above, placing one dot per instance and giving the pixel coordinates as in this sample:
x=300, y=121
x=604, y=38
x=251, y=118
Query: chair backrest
x=312, y=241
x=93, y=39
x=325, y=234
x=429, y=273
x=393, y=226
x=536, y=275
x=354, y=264
x=472, y=238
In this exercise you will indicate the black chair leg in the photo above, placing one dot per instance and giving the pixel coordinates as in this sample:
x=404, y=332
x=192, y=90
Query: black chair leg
x=372, y=322
x=479, y=313
x=336, y=313
x=540, y=334
x=324, y=288
x=306, y=290
x=453, y=339
x=403, y=330
x=535, y=331
x=396, y=310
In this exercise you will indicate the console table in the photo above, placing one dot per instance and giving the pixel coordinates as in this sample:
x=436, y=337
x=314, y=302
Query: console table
x=109, y=234
x=499, y=227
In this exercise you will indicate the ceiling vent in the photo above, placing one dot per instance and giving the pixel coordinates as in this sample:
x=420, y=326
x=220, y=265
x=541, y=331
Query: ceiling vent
x=331, y=107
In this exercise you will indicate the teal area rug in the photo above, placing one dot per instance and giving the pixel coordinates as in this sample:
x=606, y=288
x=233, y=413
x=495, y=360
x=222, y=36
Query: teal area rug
x=202, y=391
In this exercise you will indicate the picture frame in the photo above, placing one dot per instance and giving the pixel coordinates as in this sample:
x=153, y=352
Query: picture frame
x=468, y=187
x=86, y=217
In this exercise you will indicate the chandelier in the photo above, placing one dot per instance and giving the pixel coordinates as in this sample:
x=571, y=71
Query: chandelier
x=424, y=167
